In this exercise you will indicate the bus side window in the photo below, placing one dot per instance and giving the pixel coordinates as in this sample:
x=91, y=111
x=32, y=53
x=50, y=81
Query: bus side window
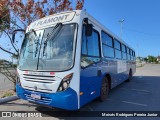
x=117, y=46
x=107, y=45
x=134, y=55
x=90, y=52
x=128, y=54
x=131, y=54
x=124, y=55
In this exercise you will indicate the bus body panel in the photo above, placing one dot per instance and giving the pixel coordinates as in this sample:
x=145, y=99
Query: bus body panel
x=90, y=83
x=109, y=67
x=68, y=99
x=65, y=100
x=86, y=83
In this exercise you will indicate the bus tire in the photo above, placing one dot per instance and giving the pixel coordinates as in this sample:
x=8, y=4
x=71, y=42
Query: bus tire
x=130, y=76
x=104, y=90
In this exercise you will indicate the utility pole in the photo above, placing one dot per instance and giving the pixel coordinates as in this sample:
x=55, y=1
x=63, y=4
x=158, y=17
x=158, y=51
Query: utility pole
x=121, y=22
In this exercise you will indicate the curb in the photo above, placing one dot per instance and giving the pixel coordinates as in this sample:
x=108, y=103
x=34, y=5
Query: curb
x=7, y=99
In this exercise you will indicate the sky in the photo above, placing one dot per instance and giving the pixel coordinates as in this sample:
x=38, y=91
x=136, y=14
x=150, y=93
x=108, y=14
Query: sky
x=140, y=28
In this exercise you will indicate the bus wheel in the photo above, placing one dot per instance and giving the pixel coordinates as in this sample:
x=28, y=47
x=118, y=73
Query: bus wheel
x=104, y=89
x=130, y=76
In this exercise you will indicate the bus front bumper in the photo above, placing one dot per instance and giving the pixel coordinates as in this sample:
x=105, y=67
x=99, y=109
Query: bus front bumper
x=65, y=100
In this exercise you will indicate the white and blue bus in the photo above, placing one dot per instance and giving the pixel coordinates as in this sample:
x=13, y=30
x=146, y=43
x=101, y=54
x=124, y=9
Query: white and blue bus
x=69, y=59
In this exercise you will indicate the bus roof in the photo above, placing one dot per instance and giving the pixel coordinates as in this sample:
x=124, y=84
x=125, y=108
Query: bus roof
x=68, y=16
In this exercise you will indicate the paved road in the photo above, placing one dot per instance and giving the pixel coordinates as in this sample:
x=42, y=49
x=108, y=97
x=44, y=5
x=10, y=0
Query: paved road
x=141, y=94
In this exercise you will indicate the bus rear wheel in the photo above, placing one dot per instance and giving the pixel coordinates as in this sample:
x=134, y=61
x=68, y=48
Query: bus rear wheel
x=104, y=89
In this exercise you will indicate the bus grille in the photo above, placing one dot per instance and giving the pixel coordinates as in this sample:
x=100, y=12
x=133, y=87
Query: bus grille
x=38, y=78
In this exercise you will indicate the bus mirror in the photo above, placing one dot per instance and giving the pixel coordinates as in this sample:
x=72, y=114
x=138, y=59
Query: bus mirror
x=14, y=33
x=89, y=28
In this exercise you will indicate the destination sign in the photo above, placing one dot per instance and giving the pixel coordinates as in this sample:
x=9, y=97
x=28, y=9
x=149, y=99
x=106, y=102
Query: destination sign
x=50, y=20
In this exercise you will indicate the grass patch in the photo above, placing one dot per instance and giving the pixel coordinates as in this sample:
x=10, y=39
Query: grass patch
x=7, y=95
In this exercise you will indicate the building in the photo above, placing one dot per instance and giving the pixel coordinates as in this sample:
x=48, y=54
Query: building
x=158, y=59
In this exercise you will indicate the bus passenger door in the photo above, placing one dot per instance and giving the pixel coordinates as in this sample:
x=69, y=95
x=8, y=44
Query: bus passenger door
x=90, y=75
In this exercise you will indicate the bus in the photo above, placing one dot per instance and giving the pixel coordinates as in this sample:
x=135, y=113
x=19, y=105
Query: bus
x=69, y=59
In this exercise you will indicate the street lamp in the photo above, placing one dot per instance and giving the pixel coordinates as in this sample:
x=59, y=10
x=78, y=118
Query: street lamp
x=121, y=22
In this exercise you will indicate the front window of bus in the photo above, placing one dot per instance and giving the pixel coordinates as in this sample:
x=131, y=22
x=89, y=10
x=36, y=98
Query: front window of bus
x=30, y=50
x=54, y=54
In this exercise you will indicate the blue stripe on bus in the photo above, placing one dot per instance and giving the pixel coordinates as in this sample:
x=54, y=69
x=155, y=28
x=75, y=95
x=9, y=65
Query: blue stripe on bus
x=65, y=100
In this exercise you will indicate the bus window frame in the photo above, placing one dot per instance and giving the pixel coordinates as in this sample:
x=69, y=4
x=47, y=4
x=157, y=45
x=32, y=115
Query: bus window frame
x=99, y=45
x=102, y=31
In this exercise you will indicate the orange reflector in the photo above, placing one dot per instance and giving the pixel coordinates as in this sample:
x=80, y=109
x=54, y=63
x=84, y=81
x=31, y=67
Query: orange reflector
x=69, y=76
x=81, y=93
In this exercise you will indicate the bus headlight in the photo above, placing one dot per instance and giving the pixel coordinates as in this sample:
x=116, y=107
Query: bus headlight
x=65, y=82
x=65, y=85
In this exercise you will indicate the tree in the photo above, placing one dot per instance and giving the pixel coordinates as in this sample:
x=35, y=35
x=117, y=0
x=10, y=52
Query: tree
x=4, y=16
x=146, y=59
x=18, y=14
x=152, y=59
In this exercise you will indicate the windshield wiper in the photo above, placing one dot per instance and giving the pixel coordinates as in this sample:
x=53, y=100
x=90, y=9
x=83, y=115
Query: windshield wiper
x=37, y=43
x=37, y=40
x=52, y=34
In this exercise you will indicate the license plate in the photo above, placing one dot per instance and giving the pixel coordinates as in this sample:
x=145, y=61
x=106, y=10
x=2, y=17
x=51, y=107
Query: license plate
x=35, y=96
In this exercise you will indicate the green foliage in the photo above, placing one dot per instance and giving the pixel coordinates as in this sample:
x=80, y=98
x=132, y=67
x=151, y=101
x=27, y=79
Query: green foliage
x=145, y=59
x=4, y=15
x=152, y=59
x=7, y=95
x=14, y=65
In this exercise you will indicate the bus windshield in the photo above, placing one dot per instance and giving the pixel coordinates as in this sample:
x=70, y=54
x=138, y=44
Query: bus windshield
x=42, y=52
